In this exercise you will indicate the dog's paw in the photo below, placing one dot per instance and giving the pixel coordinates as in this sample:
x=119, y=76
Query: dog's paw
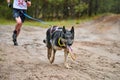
x=51, y=60
x=67, y=66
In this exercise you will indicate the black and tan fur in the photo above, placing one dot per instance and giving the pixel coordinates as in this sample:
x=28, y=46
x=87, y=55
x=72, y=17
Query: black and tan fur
x=58, y=38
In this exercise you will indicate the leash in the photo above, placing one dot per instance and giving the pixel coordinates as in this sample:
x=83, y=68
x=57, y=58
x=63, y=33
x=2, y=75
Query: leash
x=28, y=16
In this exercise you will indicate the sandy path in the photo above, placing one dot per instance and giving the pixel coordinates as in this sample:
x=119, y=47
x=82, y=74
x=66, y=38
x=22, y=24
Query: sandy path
x=97, y=45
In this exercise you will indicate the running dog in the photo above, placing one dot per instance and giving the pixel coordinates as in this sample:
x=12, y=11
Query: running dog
x=58, y=38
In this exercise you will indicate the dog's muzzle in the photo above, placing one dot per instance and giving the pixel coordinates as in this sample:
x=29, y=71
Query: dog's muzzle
x=69, y=42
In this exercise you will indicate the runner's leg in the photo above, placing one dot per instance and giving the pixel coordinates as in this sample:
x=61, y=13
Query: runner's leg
x=19, y=17
x=17, y=30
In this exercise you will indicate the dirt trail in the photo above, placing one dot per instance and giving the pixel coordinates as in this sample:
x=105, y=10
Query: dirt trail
x=97, y=45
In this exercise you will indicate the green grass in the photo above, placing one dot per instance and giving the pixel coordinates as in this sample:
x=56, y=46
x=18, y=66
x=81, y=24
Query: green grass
x=6, y=22
x=67, y=23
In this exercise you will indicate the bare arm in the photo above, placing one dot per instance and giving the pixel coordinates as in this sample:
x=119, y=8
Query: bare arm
x=28, y=3
x=9, y=4
x=8, y=1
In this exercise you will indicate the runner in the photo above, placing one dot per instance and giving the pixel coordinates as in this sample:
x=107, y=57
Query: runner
x=19, y=7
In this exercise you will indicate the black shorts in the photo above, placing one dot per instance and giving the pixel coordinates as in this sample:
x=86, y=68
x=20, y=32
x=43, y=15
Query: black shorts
x=19, y=13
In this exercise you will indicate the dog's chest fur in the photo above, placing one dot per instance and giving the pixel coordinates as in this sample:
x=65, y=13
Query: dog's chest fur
x=55, y=38
x=55, y=45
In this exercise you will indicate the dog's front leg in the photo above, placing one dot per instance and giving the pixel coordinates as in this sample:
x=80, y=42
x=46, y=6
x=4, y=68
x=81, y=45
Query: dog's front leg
x=52, y=56
x=65, y=59
x=49, y=53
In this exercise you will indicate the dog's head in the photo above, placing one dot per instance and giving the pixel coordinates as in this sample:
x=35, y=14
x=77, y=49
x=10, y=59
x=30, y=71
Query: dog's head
x=68, y=36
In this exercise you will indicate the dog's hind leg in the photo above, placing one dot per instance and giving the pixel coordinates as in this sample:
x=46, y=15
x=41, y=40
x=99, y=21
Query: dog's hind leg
x=65, y=59
x=49, y=52
x=52, y=58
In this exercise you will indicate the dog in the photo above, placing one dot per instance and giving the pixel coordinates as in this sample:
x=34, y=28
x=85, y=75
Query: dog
x=58, y=38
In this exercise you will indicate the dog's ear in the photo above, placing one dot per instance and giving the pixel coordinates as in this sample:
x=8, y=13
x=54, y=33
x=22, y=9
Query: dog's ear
x=72, y=30
x=64, y=29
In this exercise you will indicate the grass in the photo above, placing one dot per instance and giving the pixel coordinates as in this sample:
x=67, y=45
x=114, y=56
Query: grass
x=67, y=23
x=6, y=22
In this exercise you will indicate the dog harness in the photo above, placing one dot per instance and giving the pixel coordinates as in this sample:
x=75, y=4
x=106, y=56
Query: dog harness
x=53, y=30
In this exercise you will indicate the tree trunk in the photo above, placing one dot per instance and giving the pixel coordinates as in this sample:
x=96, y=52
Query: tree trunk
x=90, y=8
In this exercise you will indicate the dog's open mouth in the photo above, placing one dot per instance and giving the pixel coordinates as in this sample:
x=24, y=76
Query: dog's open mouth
x=72, y=55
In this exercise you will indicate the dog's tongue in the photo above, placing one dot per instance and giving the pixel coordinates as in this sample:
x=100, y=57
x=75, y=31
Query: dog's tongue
x=69, y=48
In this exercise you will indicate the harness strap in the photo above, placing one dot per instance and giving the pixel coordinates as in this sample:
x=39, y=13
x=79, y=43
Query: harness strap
x=52, y=31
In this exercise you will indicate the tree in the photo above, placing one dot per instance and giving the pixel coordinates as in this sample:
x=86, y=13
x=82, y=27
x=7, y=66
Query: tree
x=59, y=9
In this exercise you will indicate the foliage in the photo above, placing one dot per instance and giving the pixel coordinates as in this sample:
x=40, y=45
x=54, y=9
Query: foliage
x=64, y=9
x=82, y=6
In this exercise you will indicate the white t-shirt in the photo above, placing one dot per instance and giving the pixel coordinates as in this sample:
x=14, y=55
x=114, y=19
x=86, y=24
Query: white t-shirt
x=19, y=4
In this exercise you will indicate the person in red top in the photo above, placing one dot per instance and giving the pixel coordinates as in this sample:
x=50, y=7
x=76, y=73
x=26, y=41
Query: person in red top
x=19, y=7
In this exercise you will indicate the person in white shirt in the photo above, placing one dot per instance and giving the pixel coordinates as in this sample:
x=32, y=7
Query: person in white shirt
x=19, y=7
